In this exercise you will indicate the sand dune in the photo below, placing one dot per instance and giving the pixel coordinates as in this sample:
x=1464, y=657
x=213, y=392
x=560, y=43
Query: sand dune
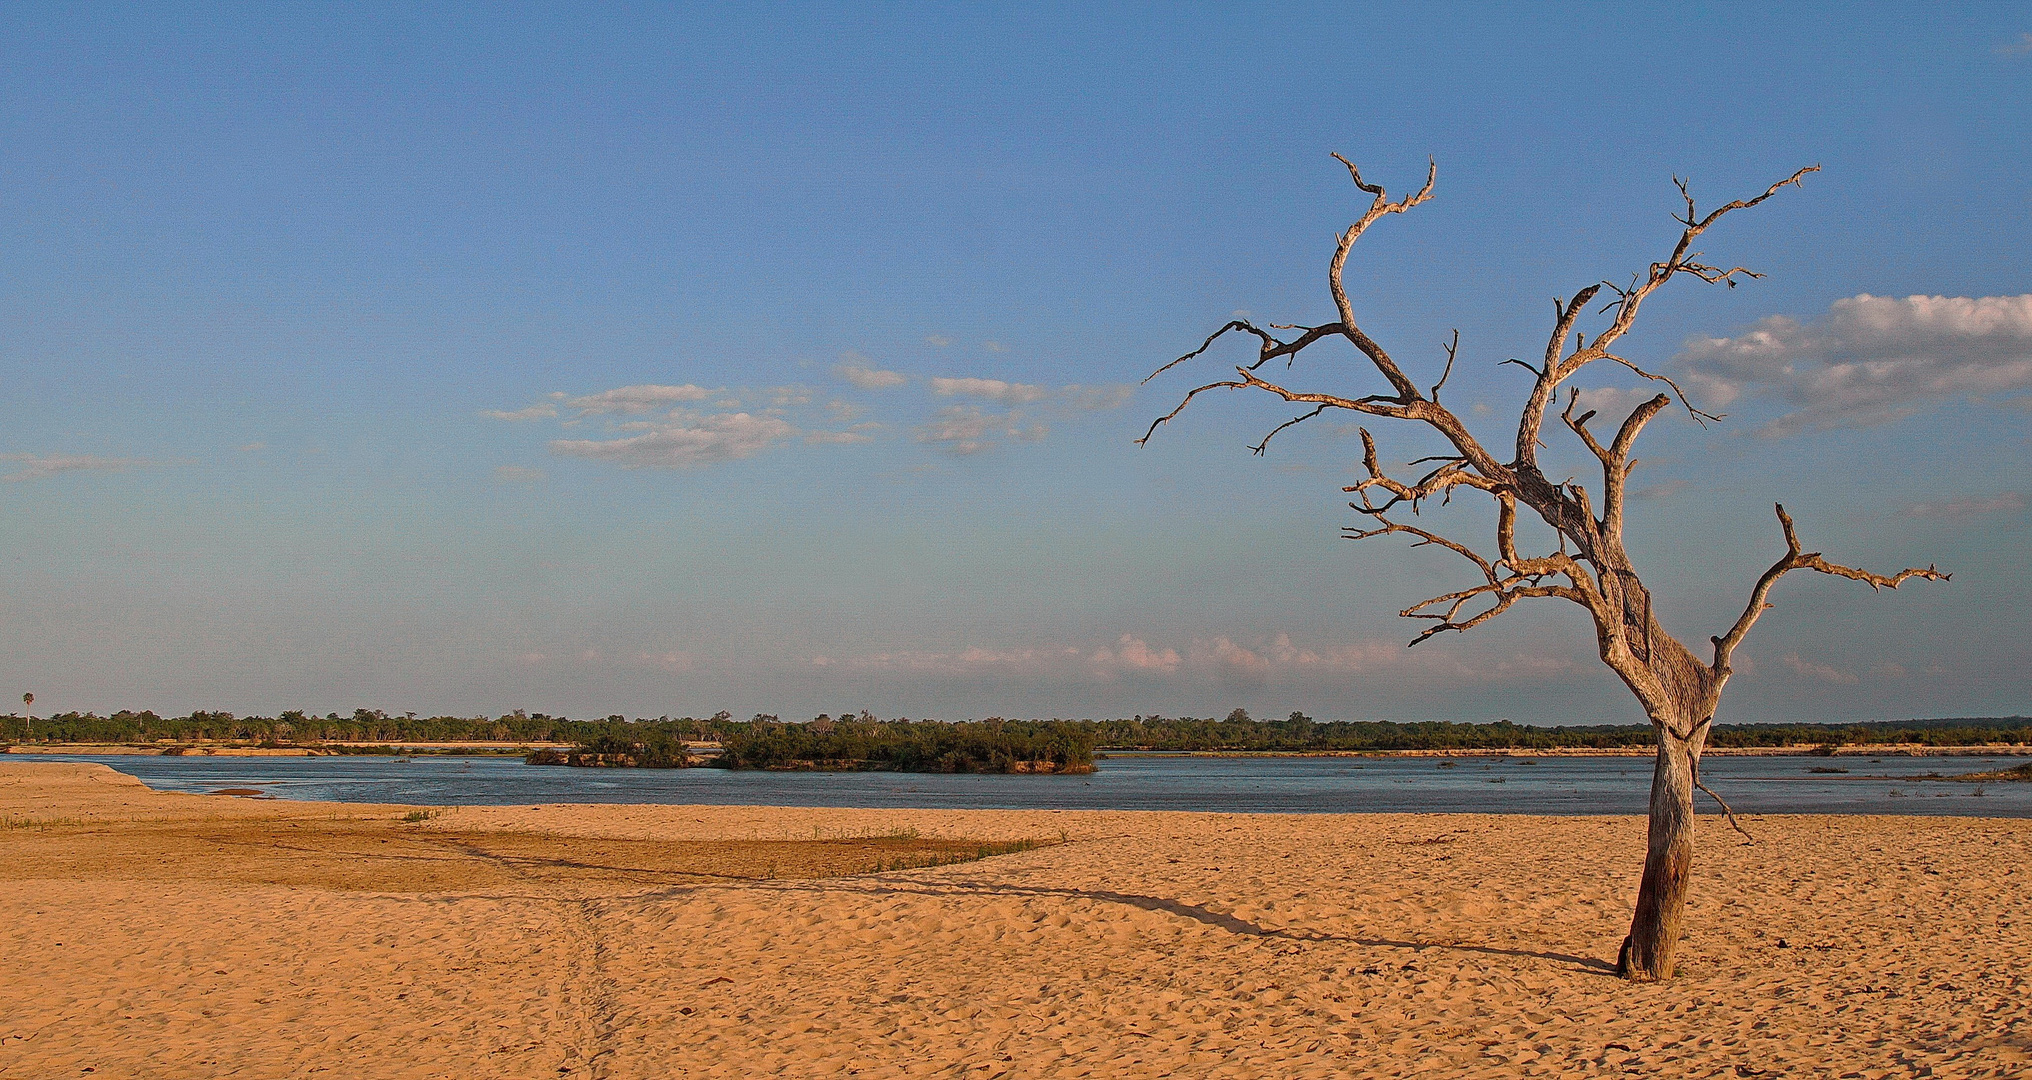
x=155, y=935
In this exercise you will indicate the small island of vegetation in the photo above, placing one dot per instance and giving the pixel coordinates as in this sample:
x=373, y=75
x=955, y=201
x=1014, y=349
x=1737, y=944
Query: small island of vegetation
x=862, y=744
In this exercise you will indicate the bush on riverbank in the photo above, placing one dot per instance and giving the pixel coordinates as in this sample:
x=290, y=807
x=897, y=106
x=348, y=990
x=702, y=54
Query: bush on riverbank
x=990, y=746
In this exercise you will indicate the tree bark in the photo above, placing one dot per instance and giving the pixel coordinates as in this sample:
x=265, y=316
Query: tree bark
x=1647, y=953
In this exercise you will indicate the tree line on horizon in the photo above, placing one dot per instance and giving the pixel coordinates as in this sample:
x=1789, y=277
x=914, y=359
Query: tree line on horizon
x=766, y=737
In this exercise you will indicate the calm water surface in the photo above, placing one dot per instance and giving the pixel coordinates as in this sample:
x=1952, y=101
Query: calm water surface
x=1495, y=785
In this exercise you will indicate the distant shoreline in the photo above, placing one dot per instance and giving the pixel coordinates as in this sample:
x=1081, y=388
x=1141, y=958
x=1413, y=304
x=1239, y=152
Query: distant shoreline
x=516, y=749
x=248, y=749
x=1801, y=750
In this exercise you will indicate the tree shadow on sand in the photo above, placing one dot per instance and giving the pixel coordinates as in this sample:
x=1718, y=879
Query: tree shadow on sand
x=1205, y=916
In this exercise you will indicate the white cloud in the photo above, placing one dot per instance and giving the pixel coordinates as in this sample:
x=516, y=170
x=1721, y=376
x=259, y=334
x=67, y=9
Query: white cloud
x=1821, y=672
x=534, y=412
x=994, y=346
x=1007, y=393
x=864, y=377
x=1134, y=654
x=965, y=429
x=1073, y=398
x=937, y=341
x=684, y=441
x=1229, y=662
x=631, y=400
x=1870, y=360
x=40, y=466
x=2018, y=46
x=517, y=474
x=1962, y=506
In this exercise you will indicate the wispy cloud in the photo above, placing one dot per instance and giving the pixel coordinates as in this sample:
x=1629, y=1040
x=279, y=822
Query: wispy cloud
x=1218, y=660
x=635, y=400
x=937, y=341
x=965, y=429
x=1007, y=393
x=1964, y=506
x=533, y=412
x=1072, y=398
x=41, y=466
x=2018, y=46
x=640, y=434
x=684, y=441
x=1870, y=359
x=864, y=376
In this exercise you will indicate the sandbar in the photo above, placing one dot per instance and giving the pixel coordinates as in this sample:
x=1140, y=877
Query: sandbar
x=151, y=934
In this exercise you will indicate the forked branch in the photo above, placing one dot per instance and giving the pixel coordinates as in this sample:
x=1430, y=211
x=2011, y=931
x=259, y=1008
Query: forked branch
x=1796, y=559
x=1509, y=578
x=1560, y=364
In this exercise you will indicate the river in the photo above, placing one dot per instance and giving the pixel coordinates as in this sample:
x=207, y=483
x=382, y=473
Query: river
x=1493, y=785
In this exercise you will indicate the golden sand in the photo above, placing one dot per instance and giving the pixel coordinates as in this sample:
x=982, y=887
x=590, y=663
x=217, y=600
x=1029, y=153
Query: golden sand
x=159, y=935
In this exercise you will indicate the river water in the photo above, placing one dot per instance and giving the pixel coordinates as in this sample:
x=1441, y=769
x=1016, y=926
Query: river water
x=1495, y=785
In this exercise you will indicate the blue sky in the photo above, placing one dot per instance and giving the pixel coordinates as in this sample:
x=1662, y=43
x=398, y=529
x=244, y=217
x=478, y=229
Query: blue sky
x=445, y=359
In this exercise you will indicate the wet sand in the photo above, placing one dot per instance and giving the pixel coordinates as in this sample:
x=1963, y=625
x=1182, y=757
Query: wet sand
x=161, y=935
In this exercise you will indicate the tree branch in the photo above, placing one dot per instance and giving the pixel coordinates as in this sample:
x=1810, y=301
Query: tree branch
x=1407, y=391
x=1628, y=301
x=1452, y=350
x=1795, y=559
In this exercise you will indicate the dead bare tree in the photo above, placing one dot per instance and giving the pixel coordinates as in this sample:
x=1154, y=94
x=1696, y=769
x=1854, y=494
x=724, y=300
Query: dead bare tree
x=1589, y=567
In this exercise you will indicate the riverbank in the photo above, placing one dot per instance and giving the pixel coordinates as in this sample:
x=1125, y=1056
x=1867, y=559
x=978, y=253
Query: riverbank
x=147, y=938
x=249, y=749
x=512, y=749
x=1801, y=750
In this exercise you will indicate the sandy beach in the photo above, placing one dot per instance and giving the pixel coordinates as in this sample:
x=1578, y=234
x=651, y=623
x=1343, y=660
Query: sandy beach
x=164, y=935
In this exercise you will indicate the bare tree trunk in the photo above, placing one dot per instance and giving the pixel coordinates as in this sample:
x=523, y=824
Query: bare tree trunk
x=1647, y=954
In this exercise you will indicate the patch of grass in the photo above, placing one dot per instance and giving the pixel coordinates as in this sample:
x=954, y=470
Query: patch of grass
x=2021, y=773
x=421, y=815
x=925, y=859
x=385, y=854
x=12, y=822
